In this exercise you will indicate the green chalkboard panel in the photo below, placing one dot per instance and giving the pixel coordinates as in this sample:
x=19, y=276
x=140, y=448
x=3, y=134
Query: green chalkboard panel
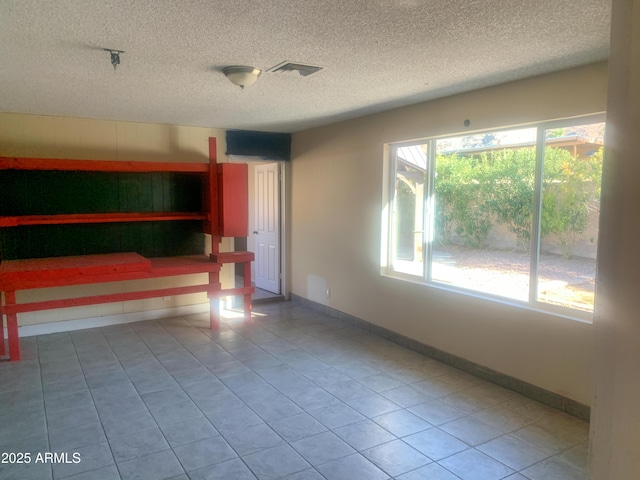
x=28, y=192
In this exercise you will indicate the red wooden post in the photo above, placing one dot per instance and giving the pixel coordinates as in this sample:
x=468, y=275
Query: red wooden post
x=2, y=349
x=12, y=327
x=214, y=213
x=247, y=297
x=213, y=207
x=214, y=303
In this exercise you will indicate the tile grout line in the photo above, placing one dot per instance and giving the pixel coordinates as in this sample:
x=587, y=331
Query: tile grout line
x=363, y=348
x=538, y=394
x=93, y=398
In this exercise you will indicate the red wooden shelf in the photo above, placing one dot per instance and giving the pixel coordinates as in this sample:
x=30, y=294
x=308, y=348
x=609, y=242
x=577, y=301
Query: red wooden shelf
x=62, y=219
x=15, y=163
x=225, y=214
x=233, y=257
x=109, y=298
x=211, y=290
x=86, y=269
x=60, y=269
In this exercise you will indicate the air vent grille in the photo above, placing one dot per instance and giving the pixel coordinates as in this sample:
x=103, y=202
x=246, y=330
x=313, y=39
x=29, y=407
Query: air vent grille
x=302, y=69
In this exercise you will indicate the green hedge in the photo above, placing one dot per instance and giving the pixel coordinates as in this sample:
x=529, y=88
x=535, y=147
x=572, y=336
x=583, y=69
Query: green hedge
x=473, y=192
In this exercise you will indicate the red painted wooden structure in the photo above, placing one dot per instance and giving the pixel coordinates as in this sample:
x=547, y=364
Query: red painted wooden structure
x=224, y=214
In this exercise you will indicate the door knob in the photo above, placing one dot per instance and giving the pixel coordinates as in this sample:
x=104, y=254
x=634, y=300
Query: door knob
x=255, y=232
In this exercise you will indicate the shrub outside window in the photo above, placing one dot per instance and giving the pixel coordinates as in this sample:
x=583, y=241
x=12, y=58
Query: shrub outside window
x=510, y=213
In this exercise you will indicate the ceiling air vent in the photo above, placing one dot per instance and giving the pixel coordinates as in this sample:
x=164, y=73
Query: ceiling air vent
x=303, y=70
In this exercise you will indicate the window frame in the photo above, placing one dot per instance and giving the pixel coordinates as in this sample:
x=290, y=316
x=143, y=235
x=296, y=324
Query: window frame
x=428, y=234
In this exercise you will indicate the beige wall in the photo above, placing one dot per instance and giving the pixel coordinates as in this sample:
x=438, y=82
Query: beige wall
x=78, y=138
x=336, y=213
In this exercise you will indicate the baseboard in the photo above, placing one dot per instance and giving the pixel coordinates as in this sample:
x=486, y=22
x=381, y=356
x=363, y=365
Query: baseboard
x=93, y=322
x=534, y=392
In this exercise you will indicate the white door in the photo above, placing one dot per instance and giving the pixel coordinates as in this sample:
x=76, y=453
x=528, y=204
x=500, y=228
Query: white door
x=267, y=227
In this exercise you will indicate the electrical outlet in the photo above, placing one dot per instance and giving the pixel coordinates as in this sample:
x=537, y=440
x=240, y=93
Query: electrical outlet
x=166, y=298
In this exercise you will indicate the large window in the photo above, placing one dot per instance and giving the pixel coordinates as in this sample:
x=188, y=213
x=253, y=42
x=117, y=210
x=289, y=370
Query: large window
x=510, y=214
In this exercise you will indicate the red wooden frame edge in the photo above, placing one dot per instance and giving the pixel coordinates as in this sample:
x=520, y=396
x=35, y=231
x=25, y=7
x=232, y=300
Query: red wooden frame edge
x=63, y=219
x=113, y=297
x=26, y=163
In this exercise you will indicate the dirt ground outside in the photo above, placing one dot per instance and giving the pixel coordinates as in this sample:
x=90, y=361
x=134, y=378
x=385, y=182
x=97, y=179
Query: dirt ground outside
x=562, y=281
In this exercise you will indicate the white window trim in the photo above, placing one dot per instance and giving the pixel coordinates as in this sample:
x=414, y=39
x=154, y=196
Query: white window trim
x=532, y=303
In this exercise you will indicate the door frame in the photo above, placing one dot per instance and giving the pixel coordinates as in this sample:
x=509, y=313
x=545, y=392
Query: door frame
x=284, y=198
x=266, y=227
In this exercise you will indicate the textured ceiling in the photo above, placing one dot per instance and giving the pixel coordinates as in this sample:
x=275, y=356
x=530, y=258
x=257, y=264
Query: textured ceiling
x=376, y=54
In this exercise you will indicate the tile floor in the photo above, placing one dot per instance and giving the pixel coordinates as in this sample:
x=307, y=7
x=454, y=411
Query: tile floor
x=297, y=395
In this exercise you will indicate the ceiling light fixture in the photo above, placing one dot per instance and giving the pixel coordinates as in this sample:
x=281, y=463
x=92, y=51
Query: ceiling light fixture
x=242, y=75
x=115, y=57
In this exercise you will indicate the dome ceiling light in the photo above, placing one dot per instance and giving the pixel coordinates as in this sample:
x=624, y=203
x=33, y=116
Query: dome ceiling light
x=241, y=75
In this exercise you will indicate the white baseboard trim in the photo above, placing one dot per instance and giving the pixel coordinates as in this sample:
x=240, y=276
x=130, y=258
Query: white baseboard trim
x=93, y=322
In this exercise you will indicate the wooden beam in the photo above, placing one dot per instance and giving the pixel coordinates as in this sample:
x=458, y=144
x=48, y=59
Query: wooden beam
x=13, y=309
x=89, y=269
x=233, y=257
x=74, y=218
x=19, y=163
x=12, y=325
